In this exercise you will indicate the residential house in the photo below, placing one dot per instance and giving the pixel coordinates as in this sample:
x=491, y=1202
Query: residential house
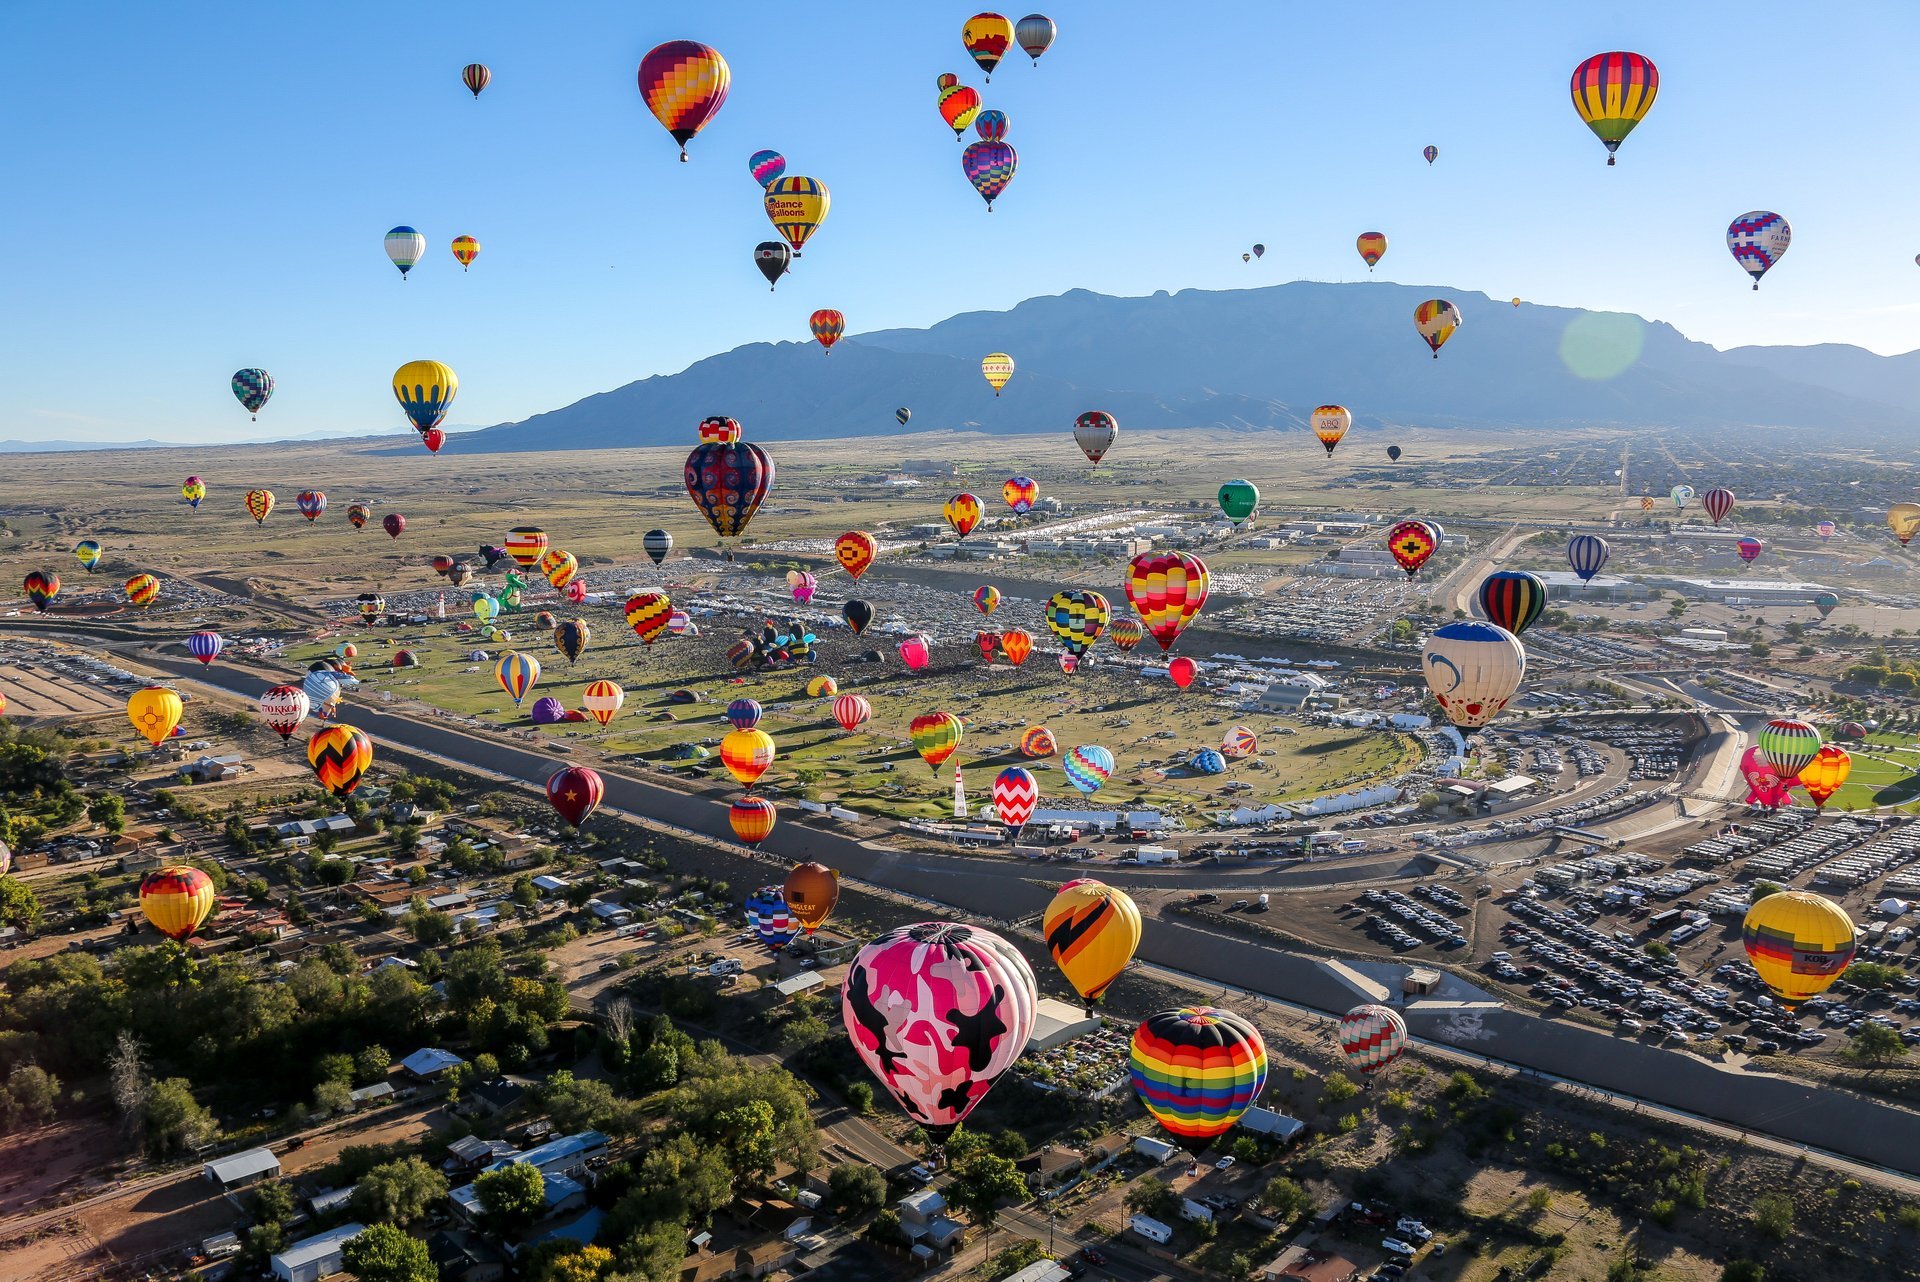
x=430, y=1063
x=470, y=1154
x=461, y=1256
x=311, y=1259
x=1050, y=1166
x=562, y=1194
x=753, y=1261
x=238, y=1170
x=1308, y=1264
x=491, y=1099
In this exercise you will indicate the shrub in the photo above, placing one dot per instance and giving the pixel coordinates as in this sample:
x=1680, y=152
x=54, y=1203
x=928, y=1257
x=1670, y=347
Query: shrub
x=1773, y=1215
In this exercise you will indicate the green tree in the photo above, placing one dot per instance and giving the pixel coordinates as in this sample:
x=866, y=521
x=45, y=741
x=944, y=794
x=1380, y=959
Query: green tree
x=28, y=1098
x=386, y=1254
x=370, y=1064
x=332, y=1097
x=1020, y=1255
x=1773, y=1215
x=398, y=1192
x=980, y=1184
x=19, y=906
x=274, y=1203
x=655, y=1251
x=513, y=1195
x=856, y=1189
x=1338, y=1089
x=109, y=810
x=748, y=1138
x=1284, y=1200
x=859, y=1097
x=570, y=1262
x=173, y=1120
x=1875, y=1046
x=428, y=926
x=575, y=1104
x=1742, y=1271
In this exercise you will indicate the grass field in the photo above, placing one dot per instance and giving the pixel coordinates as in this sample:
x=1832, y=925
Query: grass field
x=1886, y=772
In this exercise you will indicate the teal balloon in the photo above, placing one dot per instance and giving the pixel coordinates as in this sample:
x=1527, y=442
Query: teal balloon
x=1239, y=499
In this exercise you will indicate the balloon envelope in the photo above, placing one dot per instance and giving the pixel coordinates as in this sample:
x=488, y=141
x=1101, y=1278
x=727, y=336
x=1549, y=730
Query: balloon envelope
x=1197, y=1069
x=1799, y=943
x=1092, y=930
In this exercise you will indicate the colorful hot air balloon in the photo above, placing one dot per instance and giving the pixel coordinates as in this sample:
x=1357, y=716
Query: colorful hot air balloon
x=744, y=714
x=937, y=1012
x=570, y=638
x=1587, y=554
x=205, y=646
x=1824, y=775
x=747, y=754
x=1239, y=742
x=796, y=207
x=1749, y=549
x=1209, y=761
x=1095, y=432
x=1239, y=500
x=1020, y=493
x=1852, y=730
x=1016, y=645
x=601, y=700
x=1412, y=545
x=425, y=390
x=990, y=166
x=768, y=917
x=1330, y=423
x=728, y=482
x=991, y=125
x=1015, y=793
x=1799, y=943
x=1371, y=1037
x=465, y=250
x=1757, y=240
x=1904, y=520
x=372, y=606
x=283, y=708
x=1197, y=1069
x=1077, y=617
x=858, y=615
x=1127, y=633
x=154, y=712
x=855, y=550
x=1182, y=671
x=176, y=899
x=1087, y=767
x=575, y=793
x=1431, y=152
x=718, y=429
x=1613, y=92
x=959, y=104
x=87, y=552
x=404, y=247
x=1436, y=319
x=1037, y=741
x=141, y=590
x=1718, y=502
x=1035, y=34
x=194, y=491
x=475, y=76
x=1513, y=599
x=517, y=673
x=1473, y=669
x=963, y=513
x=1372, y=246
x=526, y=544
x=259, y=505
x=684, y=84
x=1788, y=744
x=766, y=167
x=986, y=38
x=1068, y=663
x=253, y=388
x=1166, y=589
x=340, y=756
x=997, y=369
x=827, y=326
x=1826, y=603
x=1092, y=930
x=1826, y=530
x=935, y=736
x=851, y=711
x=358, y=514
x=811, y=890
x=1680, y=494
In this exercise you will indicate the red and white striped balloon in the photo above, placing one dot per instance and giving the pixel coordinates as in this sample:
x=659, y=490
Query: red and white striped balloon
x=851, y=711
x=1015, y=794
x=1372, y=1037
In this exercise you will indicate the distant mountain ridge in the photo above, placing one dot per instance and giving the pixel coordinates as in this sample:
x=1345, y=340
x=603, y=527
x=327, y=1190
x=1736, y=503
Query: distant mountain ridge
x=1255, y=358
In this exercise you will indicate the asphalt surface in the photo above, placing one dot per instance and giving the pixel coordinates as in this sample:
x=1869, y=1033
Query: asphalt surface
x=1831, y=1119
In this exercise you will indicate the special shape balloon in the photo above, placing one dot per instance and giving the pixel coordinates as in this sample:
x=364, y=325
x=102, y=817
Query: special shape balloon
x=1473, y=670
x=1757, y=240
x=1613, y=92
x=684, y=84
x=768, y=918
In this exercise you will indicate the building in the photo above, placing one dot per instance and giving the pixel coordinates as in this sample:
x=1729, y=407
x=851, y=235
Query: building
x=429, y=1063
x=491, y=1099
x=793, y=985
x=1049, y=1166
x=1275, y=1126
x=378, y=1093
x=327, y=1201
x=311, y=1259
x=1307, y=1264
x=1743, y=591
x=461, y=1256
x=1040, y=1271
x=238, y=1170
x=1296, y=692
x=1509, y=790
x=568, y=1155
x=1055, y=1023
x=561, y=1194
x=212, y=769
x=1565, y=586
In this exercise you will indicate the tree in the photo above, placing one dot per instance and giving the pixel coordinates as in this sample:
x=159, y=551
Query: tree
x=398, y=1192
x=855, y=1189
x=385, y=1254
x=173, y=1120
x=1742, y=1271
x=110, y=812
x=28, y=1097
x=980, y=1184
x=1875, y=1045
x=655, y=1251
x=859, y=1097
x=747, y=1137
x=428, y=926
x=19, y=906
x=583, y=1105
x=515, y=1194
x=570, y=1262
x=1773, y=1215
x=331, y=1097
x=370, y=1064
x=1284, y=1200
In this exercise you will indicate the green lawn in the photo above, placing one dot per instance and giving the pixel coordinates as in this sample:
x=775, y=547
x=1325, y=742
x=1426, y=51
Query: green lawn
x=1886, y=772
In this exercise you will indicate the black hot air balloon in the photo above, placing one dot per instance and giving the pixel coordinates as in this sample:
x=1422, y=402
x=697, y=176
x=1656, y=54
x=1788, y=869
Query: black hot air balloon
x=772, y=257
x=657, y=544
x=858, y=615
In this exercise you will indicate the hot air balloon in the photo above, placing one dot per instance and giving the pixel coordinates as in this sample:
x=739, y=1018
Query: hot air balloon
x=323, y=689
x=340, y=755
x=811, y=890
x=425, y=390
x=465, y=250
x=744, y=714
x=718, y=429
x=1239, y=500
x=394, y=524
x=986, y=598
x=601, y=700
x=1372, y=246
x=1788, y=744
x=193, y=490
x=372, y=606
x=1087, y=767
x=991, y=125
x=1208, y=761
x=728, y=482
x=1799, y=943
x=475, y=77
x=1166, y=589
x=1473, y=669
x=747, y=754
x=1016, y=645
x=1037, y=741
x=996, y=368
x=176, y=899
x=1239, y=742
x=253, y=388
x=1094, y=432
x=1904, y=520
x=986, y=38
x=1680, y=494
x=827, y=326
x=405, y=659
x=141, y=590
x=1069, y=663
x=903, y=414
x=1757, y=240
x=916, y=652
x=1371, y=1037
x=358, y=514
x=154, y=712
x=404, y=247
x=937, y=1012
x=1077, y=617
x=858, y=615
x=684, y=83
x=1393, y=453
x=87, y=552
x=657, y=544
x=517, y=673
x=1035, y=34
x=259, y=505
x=1824, y=775
x=855, y=550
x=346, y=650
x=1015, y=794
x=575, y=793
x=958, y=104
x=1412, y=545
x=570, y=638
x=766, y=166
x=1431, y=152
x=935, y=736
x=1852, y=730
x=1182, y=671
x=283, y=708
x=851, y=711
x=205, y=646
x=773, y=259
x=989, y=166
x=1197, y=1069
x=1330, y=423
x=796, y=207
x=1127, y=633
x=769, y=918
x=1826, y=603
x=526, y=544
x=1092, y=930
x=1613, y=92
x=1020, y=493
x=1826, y=530
x=1436, y=319
x=963, y=513
x=1513, y=599
x=1749, y=549
x=1587, y=554
x=1718, y=502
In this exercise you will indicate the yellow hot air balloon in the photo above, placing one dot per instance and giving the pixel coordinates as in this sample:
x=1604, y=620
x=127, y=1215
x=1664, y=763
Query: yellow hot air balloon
x=1092, y=930
x=1904, y=520
x=1799, y=942
x=425, y=390
x=997, y=367
x=1372, y=246
x=796, y=206
x=154, y=711
x=176, y=899
x=1330, y=423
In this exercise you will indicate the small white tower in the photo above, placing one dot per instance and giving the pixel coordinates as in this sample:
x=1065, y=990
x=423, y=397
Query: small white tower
x=959, y=793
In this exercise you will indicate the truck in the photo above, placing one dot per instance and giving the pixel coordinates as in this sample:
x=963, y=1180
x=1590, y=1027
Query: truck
x=1156, y=854
x=1195, y=1211
x=1150, y=1229
x=1157, y=1150
x=1260, y=902
x=1353, y=846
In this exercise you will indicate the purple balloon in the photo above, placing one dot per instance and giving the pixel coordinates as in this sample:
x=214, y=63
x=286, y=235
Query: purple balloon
x=547, y=710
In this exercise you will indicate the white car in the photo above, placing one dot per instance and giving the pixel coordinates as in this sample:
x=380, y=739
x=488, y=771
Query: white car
x=1414, y=1229
x=1223, y=1164
x=1394, y=1246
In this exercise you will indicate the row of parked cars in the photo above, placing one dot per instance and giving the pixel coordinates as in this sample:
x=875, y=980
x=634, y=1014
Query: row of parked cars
x=1443, y=931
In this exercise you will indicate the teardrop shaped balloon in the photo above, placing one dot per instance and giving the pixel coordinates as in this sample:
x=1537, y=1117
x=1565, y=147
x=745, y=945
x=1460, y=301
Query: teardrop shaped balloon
x=1239, y=500
x=796, y=206
x=997, y=369
x=1167, y=590
x=1718, y=502
x=475, y=76
x=1372, y=246
x=990, y=166
x=1182, y=671
x=991, y=125
x=1513, y=599
x=176, y=899
x=1095, y=432
x=1092, y=931
x=986, y=38
x=1330, y=423
x=425, y=390
x=656, y=545
x=752, y=819
x=684, y=84
x=1436, y=319
x=1077, y=617
x=986, y=598
x=766, y=167
x=851, y=711
x=1587, y=554
x=340, y=756
x=1035, y=32
x=773, y=258
x=465, y=250
x=1757, y=240
x=1016, y=645
x=1020, y=493
x=858, y=615
x=935, y=736
x=959, y=104
x=575, y=793
x=405, y=246
x=1613, y=92
x=963, y=512
x=747, y=754
x=1412, y=545
x=1472, y=670
x=827, y=325
x=252, y=388
x=855, y=550
x=154, y=712
x=728, y=483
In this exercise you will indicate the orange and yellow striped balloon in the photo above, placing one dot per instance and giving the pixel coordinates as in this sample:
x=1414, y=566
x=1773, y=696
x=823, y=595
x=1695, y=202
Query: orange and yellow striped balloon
x=935, y=736
x=176, y=899
x=142, y=589
x=752, y=819
x=259, y=503
x=747, y=754
x=340, y=756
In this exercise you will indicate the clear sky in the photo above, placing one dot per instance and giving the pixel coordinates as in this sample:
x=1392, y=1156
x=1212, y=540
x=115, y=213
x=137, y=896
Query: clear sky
x=199, y=187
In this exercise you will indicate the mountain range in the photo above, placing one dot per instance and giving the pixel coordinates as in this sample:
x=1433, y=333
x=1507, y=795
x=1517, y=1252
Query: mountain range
x=1254, y=358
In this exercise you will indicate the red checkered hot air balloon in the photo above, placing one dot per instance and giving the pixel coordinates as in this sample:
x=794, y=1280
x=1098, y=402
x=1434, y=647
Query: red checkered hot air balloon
x=684, y=84
x=1372, y=1037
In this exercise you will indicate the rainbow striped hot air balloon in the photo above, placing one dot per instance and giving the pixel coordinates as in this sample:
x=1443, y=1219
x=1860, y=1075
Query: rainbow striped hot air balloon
x=768, y=917
x=752, y=819
x=1087, y=767
x=1197, y=1069
x=1613, y=92
x=935, y=736
x=1037, y=741
x=1167, y=589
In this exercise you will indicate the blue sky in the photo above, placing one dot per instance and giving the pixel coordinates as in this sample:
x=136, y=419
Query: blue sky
x=196, y=188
